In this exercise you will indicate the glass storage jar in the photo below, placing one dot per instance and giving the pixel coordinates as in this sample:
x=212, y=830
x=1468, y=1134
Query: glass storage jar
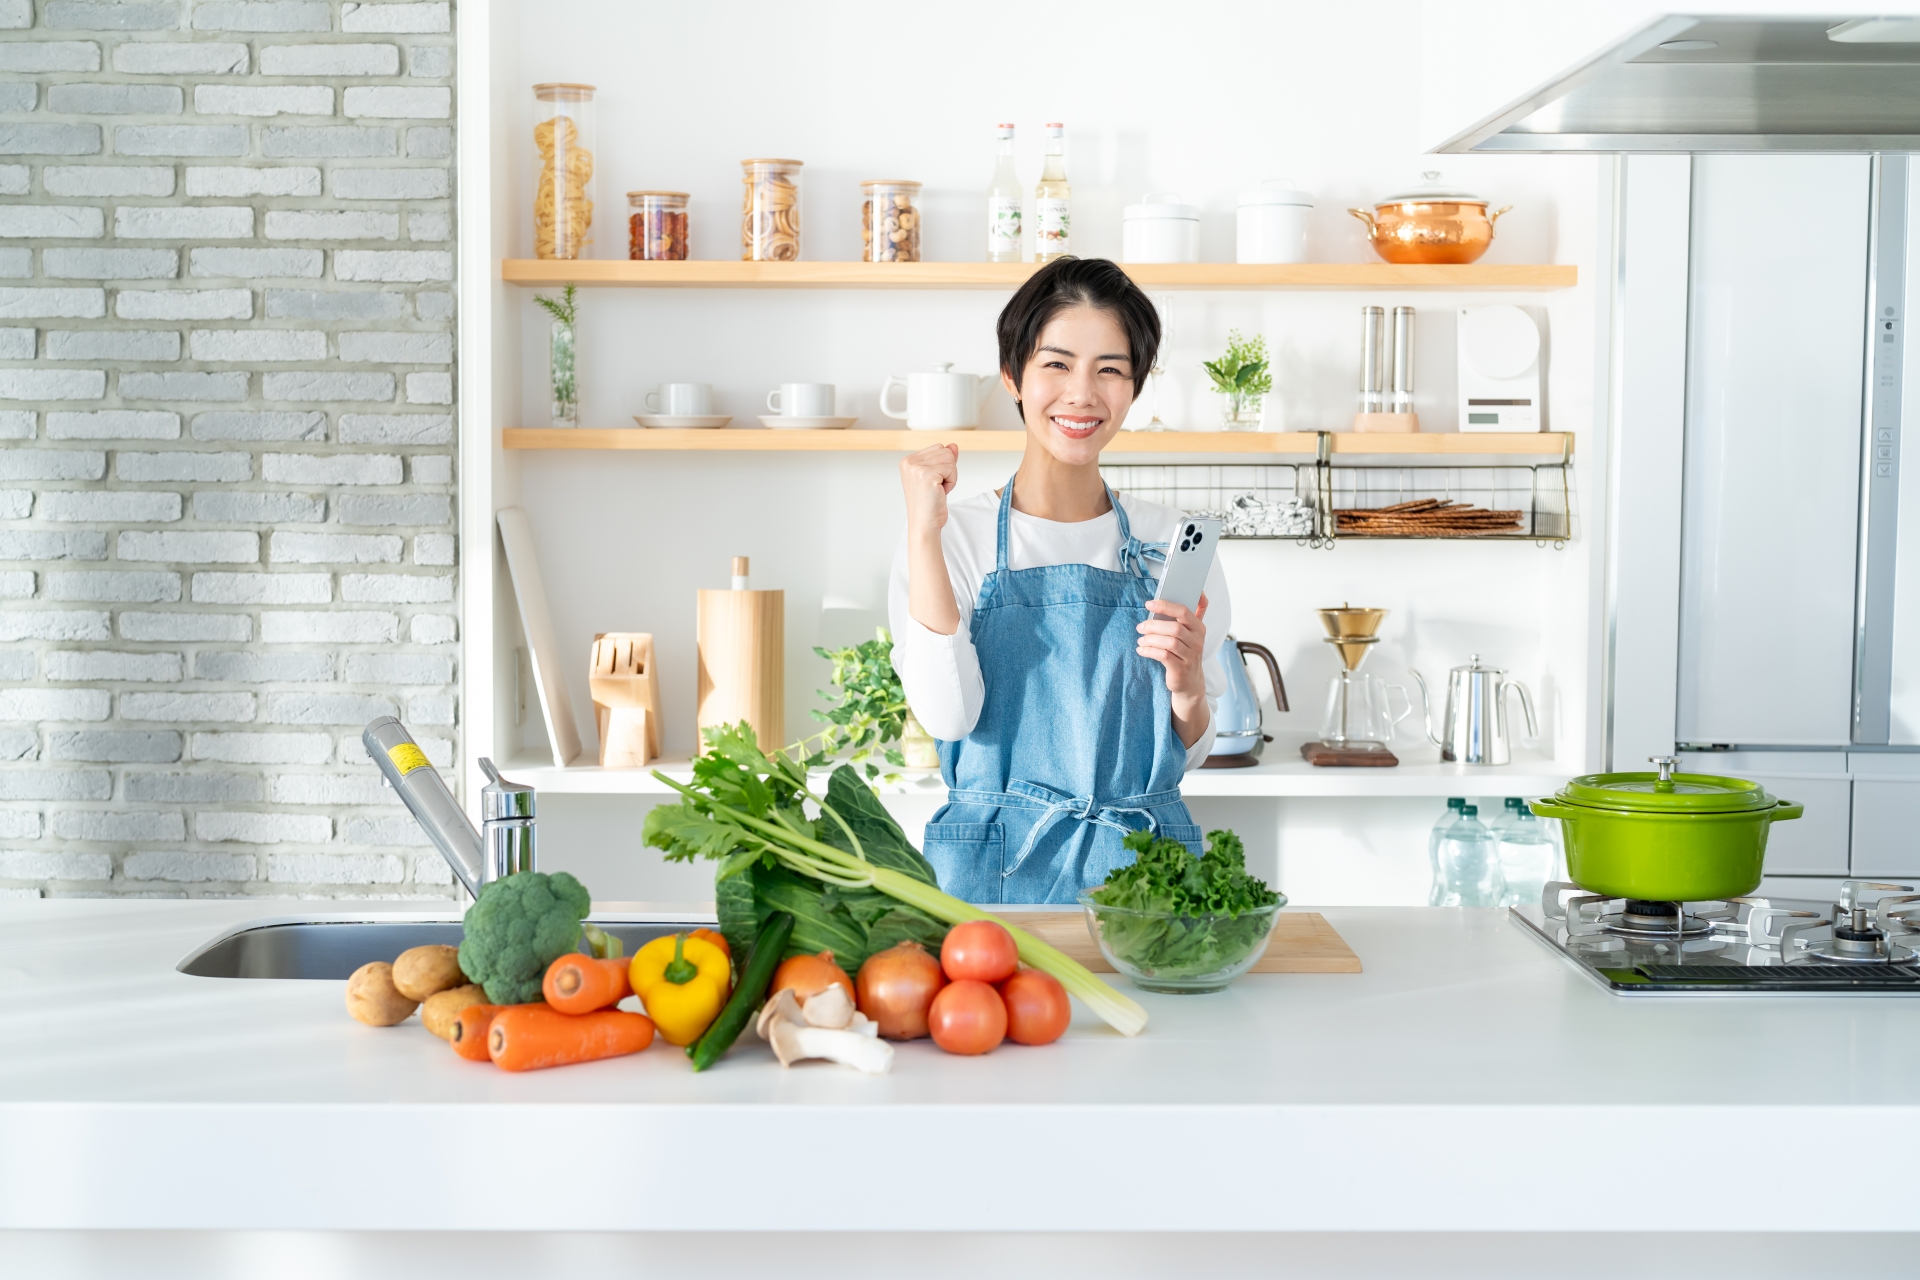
x=657, y=226
x=889, y=221
x=770, y=214
x=563, y=187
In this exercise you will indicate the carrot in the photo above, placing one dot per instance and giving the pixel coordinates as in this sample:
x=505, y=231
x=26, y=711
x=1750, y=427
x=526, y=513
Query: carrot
x=469, y=1034
x=581, y=984
x=527, y=1038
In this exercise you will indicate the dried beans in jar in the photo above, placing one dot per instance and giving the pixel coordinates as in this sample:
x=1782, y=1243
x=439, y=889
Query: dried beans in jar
x=890, y=221
x=657, y=226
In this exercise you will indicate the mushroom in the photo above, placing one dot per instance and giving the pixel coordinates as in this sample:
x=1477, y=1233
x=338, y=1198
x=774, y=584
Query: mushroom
x=825, y=1027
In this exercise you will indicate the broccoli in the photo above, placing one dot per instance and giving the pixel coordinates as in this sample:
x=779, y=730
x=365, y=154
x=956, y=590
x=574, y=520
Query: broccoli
x=518, y=926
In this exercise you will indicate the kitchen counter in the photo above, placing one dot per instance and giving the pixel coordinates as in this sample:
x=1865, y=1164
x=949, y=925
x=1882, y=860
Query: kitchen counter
x=1467, y=1081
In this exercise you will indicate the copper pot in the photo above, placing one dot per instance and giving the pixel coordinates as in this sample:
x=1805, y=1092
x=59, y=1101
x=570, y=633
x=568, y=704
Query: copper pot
x=1430, y=224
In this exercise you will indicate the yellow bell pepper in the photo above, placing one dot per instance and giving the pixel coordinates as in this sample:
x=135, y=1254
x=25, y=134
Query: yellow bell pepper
x=683, y=981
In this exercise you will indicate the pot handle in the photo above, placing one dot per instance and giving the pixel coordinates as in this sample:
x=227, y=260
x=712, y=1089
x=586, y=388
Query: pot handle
x=1273, y=669
x=885, y=388
x=1784, y=810
x=1367, y=218
x=1495, y=217
x=1548, y=809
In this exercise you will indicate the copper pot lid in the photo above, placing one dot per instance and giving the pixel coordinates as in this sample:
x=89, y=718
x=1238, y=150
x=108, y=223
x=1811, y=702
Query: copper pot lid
x=1433, y=191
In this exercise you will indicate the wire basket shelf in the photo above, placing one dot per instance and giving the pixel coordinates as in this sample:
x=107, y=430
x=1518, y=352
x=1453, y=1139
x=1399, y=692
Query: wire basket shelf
x=1319, y=503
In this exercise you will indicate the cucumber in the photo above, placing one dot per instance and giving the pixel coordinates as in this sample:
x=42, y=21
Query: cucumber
x=755, y=977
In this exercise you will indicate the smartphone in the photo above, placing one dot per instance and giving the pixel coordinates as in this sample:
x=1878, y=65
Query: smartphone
x=1189, y=560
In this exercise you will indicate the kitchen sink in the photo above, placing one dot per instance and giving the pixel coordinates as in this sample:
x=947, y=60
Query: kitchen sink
x=334, y=948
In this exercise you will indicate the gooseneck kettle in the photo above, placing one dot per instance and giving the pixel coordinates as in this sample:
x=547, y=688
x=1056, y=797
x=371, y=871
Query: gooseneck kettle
x=1474, y=729
x=1237, y=720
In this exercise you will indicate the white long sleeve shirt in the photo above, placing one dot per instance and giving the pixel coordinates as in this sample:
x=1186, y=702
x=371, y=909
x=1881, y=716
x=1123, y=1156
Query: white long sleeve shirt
x=941, y=674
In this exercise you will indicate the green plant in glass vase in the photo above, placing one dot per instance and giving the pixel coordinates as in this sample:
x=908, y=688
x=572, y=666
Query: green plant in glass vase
x=1243, y=378
x=562, y=373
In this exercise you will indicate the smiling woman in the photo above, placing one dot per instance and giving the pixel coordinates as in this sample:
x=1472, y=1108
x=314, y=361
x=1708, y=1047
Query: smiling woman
x=1068, y=700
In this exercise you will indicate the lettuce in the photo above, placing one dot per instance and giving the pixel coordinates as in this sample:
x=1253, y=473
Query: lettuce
x=1206, y=913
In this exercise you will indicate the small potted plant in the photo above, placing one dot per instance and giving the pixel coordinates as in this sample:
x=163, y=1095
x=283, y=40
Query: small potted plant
x=1242, y=378
x=869, y=714
x=562, y=373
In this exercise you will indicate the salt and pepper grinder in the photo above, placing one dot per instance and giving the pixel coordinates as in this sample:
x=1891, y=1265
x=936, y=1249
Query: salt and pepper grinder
x=741, y=647
x=1382, y=360
x=1402, y=398
x=1373, y=335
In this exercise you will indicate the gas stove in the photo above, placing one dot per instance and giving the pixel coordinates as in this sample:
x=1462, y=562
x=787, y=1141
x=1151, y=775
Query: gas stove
x=1736, y=946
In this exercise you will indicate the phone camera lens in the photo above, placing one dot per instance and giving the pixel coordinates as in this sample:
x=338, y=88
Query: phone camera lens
x=1197, y=535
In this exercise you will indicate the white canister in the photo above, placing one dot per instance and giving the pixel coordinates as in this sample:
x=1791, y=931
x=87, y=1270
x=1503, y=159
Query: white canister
x=1273, y=224
x=1160, y=229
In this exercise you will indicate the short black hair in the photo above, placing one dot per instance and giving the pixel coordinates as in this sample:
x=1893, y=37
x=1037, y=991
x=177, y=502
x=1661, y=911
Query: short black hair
x=1079, y=282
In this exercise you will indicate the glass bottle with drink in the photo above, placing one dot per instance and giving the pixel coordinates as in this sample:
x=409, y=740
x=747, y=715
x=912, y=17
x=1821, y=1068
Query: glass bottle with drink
x=1003, y=205
x=1470, y=860
x=1528, y=856
x=1052, y=201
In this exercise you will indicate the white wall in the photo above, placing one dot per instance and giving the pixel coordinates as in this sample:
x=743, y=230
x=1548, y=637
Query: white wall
x=1152, y=101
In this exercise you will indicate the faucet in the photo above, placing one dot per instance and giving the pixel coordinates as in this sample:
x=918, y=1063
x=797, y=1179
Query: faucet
x=505, y=844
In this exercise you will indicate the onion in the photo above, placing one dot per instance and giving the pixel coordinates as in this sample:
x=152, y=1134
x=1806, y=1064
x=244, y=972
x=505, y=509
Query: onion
x=897, y=987
x=808, y=976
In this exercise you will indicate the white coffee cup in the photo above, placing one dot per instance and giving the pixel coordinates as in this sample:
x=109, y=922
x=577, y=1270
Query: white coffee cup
x=802, y=400
x=681, y=400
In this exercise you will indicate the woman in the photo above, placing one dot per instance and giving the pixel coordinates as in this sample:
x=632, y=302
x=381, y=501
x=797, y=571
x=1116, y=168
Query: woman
x=1068, y=700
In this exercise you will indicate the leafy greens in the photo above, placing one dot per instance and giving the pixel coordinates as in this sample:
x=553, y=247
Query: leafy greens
x=1200, y=914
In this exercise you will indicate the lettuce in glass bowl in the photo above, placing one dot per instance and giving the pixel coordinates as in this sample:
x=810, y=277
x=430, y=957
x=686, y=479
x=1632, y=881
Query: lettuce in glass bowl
x=1178, y=923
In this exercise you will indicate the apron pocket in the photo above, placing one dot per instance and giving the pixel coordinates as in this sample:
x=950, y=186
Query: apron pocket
x=967, y=856
x=1187, y=833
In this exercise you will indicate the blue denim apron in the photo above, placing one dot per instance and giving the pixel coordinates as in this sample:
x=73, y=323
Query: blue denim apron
x=1075, y=745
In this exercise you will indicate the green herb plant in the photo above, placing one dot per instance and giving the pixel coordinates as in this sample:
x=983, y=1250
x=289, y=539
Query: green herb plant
x=868, y=714
x=561, y=363
x=1200, y=914
x=848, y=875
x=1242, y=375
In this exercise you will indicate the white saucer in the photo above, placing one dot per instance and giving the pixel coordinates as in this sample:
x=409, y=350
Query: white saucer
x=683, y=420
x=781, y=422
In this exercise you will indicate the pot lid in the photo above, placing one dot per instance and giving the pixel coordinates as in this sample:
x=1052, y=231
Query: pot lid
x=1277, y=191
x=1667, y=792
x=1433, y=191
x=1160, y=204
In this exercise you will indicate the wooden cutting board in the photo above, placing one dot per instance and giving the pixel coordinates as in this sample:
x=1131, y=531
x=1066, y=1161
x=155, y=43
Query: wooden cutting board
x=1303, y=942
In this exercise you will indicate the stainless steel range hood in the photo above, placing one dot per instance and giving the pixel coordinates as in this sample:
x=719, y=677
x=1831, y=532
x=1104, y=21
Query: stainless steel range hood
x=1726, y=84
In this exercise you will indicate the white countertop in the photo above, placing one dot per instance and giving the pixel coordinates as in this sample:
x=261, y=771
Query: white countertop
x=1468, y=1080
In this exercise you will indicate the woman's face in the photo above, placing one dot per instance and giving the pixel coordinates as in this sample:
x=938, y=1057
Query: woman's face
x=1077, y=386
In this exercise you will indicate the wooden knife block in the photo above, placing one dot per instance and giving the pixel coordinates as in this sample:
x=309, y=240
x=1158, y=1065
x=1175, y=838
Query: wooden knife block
x=742, y=638
x=626, y=699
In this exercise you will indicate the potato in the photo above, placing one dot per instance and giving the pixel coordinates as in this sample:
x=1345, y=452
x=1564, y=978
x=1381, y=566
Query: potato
x=442, y=1009
x=424, y=971
x=373, y=999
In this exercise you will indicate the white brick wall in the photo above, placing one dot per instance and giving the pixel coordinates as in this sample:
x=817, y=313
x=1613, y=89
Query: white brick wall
x=226, y=388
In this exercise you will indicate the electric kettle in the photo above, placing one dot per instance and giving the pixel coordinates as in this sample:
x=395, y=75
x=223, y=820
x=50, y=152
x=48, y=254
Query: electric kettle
x=1474, y=730
x=1237, y=721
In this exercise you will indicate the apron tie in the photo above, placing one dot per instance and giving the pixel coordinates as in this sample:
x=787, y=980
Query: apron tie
x=1055, y=805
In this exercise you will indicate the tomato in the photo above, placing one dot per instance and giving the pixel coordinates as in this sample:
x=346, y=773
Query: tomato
x=967, y=1017
x=981, y=950
x=1037, y=1008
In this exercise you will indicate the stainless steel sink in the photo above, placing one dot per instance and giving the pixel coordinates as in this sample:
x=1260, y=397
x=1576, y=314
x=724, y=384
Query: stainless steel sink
x=334, y=948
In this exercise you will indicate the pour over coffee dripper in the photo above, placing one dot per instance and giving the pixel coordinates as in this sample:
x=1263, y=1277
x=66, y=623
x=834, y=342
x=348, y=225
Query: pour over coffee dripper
x=1359, y=719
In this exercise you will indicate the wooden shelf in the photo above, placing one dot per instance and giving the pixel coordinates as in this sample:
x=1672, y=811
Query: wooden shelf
x=1303, y=443
x=1008, y=275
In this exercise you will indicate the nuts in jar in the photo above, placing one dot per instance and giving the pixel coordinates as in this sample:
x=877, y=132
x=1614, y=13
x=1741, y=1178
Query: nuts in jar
x=770, y=214
x=657, y=226
x=889, y=221
x=563, y=192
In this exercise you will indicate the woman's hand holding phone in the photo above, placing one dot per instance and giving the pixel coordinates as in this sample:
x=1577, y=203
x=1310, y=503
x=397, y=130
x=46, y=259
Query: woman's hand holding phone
x=926, y=477
x=1176, y=638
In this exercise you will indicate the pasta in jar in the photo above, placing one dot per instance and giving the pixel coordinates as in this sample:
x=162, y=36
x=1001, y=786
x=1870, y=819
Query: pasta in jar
x=770, y=214
x=563, y=186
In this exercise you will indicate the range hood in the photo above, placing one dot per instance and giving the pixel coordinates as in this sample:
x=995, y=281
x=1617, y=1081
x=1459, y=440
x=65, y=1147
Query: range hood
x=1725, y=84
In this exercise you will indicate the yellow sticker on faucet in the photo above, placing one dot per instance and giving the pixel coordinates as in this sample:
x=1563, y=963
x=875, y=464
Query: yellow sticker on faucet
x=407, y=757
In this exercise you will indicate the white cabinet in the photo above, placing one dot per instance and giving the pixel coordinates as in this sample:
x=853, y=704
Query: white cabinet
x=1814, y=844
x=1886, y=804
x=1770, y=523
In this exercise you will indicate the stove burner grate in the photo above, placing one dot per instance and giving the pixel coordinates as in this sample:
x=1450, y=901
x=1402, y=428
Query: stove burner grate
x=1892, y=975
x=1639, y=919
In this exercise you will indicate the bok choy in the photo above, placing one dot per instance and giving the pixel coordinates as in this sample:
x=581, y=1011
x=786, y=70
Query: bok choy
x=849, y=875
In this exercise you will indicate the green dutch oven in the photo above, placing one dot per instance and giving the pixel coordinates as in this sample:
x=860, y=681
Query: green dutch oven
x=1665, y=837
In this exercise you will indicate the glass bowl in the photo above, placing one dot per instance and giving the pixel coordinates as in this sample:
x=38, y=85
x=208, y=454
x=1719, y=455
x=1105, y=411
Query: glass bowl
x=1181, y=954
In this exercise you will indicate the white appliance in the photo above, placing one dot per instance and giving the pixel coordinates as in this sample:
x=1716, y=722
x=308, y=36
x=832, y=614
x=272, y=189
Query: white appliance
x=1499, y=351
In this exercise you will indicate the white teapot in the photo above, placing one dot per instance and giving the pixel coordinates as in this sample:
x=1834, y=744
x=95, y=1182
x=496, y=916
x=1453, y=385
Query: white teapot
x=939, y=401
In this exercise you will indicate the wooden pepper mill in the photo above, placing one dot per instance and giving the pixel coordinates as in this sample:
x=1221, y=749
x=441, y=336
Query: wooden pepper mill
x=742, y=642
x=626, y=699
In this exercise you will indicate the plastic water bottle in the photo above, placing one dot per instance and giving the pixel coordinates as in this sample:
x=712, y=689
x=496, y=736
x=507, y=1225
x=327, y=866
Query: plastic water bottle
x=1528, y=855
x=1470, y=860
x=1437, y=887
